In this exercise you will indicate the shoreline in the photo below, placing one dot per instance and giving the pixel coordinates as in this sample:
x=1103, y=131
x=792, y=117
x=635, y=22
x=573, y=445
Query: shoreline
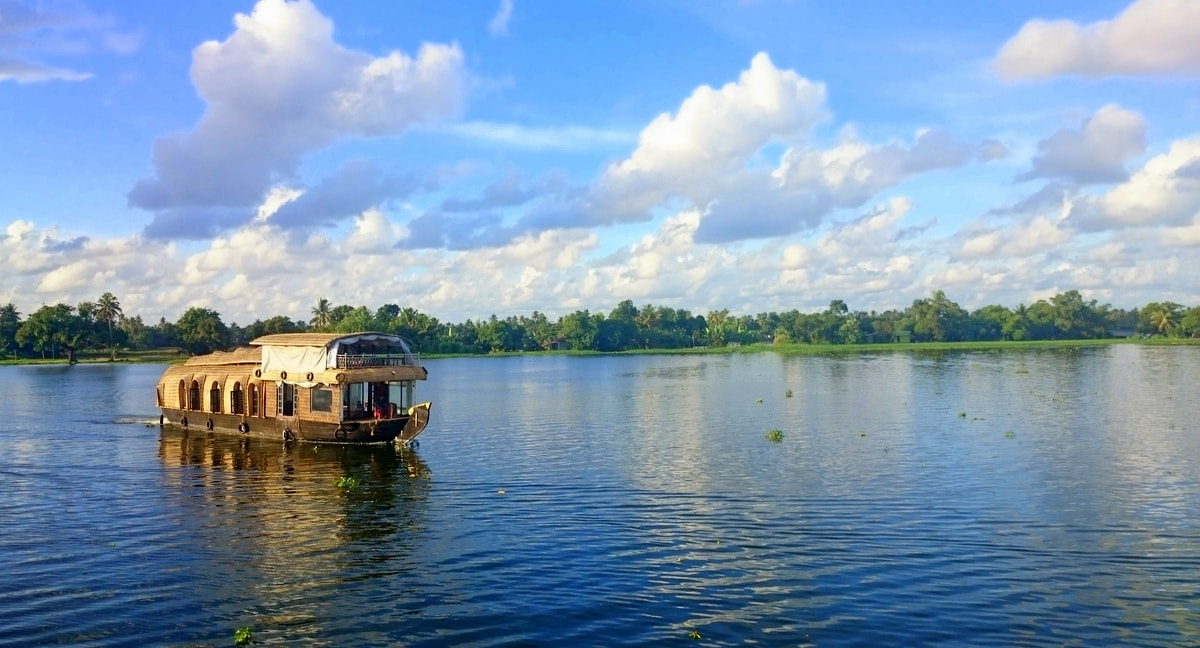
x=783, y=349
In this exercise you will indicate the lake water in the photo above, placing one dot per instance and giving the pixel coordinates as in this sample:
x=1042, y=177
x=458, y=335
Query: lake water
x=1033, y=498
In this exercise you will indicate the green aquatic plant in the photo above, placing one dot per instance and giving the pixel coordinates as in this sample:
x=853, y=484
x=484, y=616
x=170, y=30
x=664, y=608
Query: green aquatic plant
x=1010, y=434
x=962, y=415
x=759, y=401
x=348, y=482
x=788, y=393
x=694, y=635
x=774, y=435
x=243, y=636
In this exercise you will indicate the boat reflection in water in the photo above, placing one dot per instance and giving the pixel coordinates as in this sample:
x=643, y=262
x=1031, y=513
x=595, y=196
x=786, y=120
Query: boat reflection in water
x=292, y=525
x=179, y=447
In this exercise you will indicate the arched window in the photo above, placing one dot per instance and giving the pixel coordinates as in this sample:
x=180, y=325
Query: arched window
x=182, y=395
x=253, y=399
x=214, y=397
x=235, y=399
x=194, y=396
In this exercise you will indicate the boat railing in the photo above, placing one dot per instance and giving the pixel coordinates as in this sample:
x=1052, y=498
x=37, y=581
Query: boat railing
x=352, y=360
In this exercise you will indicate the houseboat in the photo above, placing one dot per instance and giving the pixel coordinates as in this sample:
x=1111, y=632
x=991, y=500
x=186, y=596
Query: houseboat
x=314, y=387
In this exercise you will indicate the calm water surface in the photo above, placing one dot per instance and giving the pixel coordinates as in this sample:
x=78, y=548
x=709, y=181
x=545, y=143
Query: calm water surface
x=1036, y=498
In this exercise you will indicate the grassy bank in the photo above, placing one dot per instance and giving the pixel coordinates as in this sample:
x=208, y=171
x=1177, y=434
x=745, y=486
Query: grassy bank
x=153, y=356
x=845, y=349
x=170, y=356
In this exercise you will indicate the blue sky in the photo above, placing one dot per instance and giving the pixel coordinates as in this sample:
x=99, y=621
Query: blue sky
x=510, y=156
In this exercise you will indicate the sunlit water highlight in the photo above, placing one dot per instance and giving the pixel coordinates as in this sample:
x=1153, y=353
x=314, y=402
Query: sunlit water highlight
x=1040, y=498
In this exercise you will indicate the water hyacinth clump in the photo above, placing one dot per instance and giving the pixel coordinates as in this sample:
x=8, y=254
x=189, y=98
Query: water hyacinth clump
x=774, y=435
x=348, y=483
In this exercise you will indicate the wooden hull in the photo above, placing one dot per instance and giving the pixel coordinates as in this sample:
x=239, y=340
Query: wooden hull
x=400, y=429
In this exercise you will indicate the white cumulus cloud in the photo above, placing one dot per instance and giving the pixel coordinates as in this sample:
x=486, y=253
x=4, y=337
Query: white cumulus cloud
x=279, y=88
x=1148, y=37
x=1096, y=152
x=1166, y=191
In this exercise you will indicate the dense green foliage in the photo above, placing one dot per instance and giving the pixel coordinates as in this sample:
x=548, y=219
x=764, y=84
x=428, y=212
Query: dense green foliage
x=62, y=331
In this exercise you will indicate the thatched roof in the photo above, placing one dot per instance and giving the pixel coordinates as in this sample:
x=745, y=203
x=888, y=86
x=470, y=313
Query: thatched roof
x=186, y=373
x=240, y=355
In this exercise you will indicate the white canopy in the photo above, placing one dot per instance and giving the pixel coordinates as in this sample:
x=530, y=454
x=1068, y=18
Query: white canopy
x=300, y=354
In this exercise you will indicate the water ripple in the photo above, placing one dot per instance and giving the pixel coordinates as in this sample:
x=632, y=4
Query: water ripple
x=1035, y=499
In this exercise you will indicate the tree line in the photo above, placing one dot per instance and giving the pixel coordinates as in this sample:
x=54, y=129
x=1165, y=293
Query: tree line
x=63, y=331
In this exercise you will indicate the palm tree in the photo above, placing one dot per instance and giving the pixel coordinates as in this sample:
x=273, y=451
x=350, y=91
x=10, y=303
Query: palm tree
x=1163, y=318
x=321, y=313
x=108, y=309
x=716, y=326
x=647, y=318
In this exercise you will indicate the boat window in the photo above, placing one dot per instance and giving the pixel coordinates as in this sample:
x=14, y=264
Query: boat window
x=322, y=399
x=287, y=400
x=235, y=399
x=182, y=395
x=214, y=397
x=253, y=399
x=194, y=396
x=356, y=392
x=354, y=399
x=402, y=394
x=378, y=399
x=371, y=400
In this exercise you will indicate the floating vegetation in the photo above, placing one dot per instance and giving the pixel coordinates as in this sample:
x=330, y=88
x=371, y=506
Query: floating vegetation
x=1010, y=434
x=759, y=401
x=243, y=636
x=694, y=635
x=774, y=435
x=788, y=393
x=348, y=482
x=962, y=415
x=862, y=434
x=1022, y=370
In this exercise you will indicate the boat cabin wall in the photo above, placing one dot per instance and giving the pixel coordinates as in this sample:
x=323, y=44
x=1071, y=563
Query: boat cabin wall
x=219, y=394
x=318, y=403
x=267, y=399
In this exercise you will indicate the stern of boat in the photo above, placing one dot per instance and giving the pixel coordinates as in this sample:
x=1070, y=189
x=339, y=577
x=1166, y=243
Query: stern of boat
x=418, y=418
